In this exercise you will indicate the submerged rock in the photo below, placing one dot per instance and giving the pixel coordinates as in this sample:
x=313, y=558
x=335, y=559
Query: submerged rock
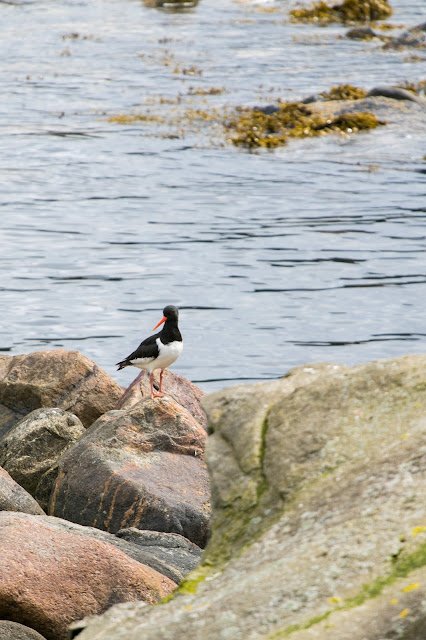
x=58, y=378
x=14, y=498
x=414, y=37
x=50, y=578
x=318, y=526
x=31, y=448
x=139, y=468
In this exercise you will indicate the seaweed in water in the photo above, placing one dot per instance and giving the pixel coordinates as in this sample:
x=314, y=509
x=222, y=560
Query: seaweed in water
x=348, y=11
x=344, y=92
x=252, y=128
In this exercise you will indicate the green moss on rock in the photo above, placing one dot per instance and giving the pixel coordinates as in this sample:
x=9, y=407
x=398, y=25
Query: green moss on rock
x=348, y=11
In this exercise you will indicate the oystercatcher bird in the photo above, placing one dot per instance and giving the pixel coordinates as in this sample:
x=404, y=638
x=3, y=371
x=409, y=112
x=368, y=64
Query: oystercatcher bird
x=158, y=351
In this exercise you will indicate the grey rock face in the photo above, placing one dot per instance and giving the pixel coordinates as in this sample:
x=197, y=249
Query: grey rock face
x=15, y=631
x=318, y=497
x=31, y=448
x=14, y=498
x=414, y=37
x=169, y=553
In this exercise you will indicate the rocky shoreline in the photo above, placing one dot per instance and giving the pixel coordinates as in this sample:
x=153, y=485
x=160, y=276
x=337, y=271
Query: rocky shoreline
x=318, y=497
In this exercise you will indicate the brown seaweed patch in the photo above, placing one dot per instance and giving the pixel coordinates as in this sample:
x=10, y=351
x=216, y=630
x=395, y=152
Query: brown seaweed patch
x=344, y=92
x=348, y=11
x=251, y=128
x=135, y=117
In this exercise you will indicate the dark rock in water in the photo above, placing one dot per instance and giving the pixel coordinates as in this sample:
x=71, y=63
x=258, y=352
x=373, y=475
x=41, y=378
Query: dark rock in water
x=395, y=93
x=58, y=378
x=177, y=556
x=49, y=578
x=15, y=631
x=361, y=33
x=414, y=37
x=181, y=390
x=267, y=109
x=31, y=448
x=315, y=97
x=139, y=468
x=14, y=498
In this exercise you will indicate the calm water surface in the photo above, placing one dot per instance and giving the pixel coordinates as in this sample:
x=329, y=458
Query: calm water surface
x=316, y=252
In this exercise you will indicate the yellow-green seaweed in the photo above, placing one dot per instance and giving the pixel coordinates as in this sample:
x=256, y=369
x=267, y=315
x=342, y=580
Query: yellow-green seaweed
x=348, y=11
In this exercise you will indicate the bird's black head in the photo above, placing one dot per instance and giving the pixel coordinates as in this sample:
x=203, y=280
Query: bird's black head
x=170, y=312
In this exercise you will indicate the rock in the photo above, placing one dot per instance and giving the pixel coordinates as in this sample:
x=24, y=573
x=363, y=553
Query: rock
x=49, y=578
x=15, y=631
x=58, y=378
x=414, y=37
x=396, y=94
x=137, y=468
x=31, y=448
x=361, y=33
x=14, y=498
x=169, y=553
x=318, y=525
x=182, y=391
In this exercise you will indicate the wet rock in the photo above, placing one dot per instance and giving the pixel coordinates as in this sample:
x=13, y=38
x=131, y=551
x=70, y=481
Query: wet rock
x=14, y=498
x=15, y=631
x=318, y=499
x=31, y=448
x=176, y=556
x=395, y=93
x=49, y=578
x=361, y=33
x=414, y=37
x=58, y=378
x=139, y=468
x=181, y=390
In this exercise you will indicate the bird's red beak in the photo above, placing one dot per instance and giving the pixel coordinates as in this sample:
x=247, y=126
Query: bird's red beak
x=163, y=319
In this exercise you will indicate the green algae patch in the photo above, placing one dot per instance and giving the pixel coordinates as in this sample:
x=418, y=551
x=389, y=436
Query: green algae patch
x=251, y=128
x=344, y=92
x=349, y=11
x=401, y=568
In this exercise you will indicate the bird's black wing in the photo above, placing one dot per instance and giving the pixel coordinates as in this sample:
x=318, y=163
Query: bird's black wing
x=147, y=349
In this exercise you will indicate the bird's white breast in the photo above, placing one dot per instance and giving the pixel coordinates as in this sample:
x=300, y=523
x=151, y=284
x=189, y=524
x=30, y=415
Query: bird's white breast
x=168, y=353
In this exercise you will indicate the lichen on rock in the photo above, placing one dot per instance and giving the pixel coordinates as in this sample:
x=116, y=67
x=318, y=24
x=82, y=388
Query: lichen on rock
x=348, y=11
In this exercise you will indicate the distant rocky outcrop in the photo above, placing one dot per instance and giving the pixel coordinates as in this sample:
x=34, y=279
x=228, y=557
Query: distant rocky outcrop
x=318, y=527
x=142, y=467
x=49, y=578
x=30, y=449
x=14, y=498
x=58, y=378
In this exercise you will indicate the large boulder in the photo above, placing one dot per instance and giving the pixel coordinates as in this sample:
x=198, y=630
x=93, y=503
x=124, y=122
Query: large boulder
x=318, y=527
x=14, y=498
x=30, y=449
x=58, y=378
x=181, y=390
x=170, y=554
x=139, y=468
x=50, y=578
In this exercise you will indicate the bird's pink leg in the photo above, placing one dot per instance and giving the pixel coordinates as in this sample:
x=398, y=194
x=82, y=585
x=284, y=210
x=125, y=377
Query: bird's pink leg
x=153, y=393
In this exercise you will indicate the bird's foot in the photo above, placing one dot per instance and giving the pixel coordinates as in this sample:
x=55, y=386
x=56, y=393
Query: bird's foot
x=156, y=395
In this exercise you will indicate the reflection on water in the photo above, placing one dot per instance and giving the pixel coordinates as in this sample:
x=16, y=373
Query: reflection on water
x=315, y=252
